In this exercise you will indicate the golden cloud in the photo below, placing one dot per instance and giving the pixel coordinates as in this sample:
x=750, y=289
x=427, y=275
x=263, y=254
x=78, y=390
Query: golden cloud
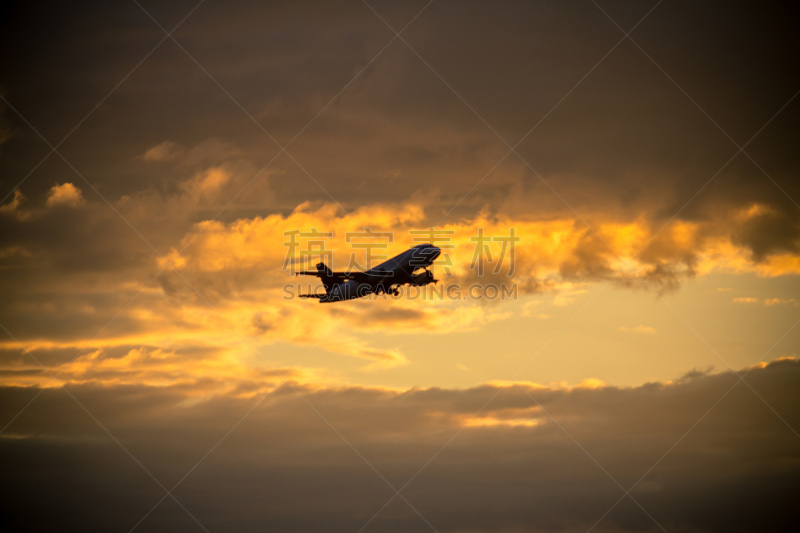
x=241, y=269
x=551, y=255
x=65, y=194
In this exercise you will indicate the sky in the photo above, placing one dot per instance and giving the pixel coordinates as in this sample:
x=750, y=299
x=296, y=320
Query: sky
x=625, y=173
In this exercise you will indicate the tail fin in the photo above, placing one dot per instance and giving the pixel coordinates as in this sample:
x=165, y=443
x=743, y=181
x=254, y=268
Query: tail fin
x=321, y=267
x=326, y=276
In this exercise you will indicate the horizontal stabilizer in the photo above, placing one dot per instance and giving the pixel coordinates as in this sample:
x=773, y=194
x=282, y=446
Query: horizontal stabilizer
x=322, y=271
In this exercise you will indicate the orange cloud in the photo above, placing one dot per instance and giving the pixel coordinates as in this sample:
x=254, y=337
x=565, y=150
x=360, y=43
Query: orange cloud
x=241, y=268
x=65, y=194
x=552, y=255
x=14, y=204
x=166, y=151
x=779, y=301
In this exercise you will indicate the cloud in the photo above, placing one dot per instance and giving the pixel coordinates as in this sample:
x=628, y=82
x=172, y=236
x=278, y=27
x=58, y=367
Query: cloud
x=746, y=300
x=615, y=156
x=12, y=207
x=284, y=465
x=551, y=255
x=65, y=194
x=166, y=151
x=238, y=266
x=89, y=264
x=566, y=297
x=765, y=230
x=779, y=301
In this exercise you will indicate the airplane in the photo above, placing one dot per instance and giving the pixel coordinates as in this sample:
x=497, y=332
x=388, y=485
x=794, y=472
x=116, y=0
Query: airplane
x=384, y=278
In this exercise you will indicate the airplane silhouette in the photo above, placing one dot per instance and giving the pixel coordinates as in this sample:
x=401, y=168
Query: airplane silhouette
x=384, y=278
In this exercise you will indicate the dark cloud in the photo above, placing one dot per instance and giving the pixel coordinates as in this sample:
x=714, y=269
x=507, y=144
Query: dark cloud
x=626, y=139
x=284, y=469
x=770, y=232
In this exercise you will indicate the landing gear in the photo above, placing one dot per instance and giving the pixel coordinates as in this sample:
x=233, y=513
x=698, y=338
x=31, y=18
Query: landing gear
x=387, y=290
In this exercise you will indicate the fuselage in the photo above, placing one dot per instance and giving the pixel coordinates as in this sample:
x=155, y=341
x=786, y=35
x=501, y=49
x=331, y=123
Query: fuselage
x=398, y=270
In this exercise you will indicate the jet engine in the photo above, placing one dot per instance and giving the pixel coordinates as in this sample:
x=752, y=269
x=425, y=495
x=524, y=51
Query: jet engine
x=423, y=278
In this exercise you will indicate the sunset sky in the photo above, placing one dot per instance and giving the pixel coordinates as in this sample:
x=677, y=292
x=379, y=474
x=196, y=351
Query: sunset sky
x=158, y=374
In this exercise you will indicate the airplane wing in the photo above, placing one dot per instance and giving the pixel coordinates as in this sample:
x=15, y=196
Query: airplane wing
x=362, y=277
x=373, y=276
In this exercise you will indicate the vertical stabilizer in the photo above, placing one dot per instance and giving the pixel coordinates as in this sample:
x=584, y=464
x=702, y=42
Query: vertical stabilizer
x=326, y=276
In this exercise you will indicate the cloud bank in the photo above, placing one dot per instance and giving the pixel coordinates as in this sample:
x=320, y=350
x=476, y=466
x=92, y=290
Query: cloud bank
x=510, y=469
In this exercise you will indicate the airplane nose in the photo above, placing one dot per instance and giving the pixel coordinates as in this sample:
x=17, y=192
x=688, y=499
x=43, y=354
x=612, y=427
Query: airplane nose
x=436, y=251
